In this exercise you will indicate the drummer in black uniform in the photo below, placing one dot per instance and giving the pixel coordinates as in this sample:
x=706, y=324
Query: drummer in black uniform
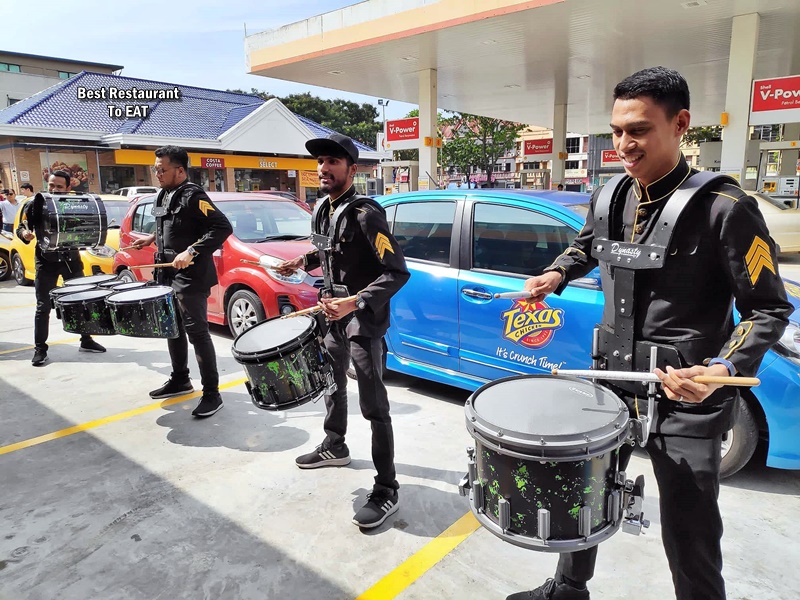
x=189, y=228
x=366, y=262
x=49, y=265
x=720, y=251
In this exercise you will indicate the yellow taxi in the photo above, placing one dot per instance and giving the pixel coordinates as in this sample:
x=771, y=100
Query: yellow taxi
x=95, y=260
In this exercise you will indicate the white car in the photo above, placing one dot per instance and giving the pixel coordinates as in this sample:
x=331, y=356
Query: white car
x=130, y=192
x=783, y=222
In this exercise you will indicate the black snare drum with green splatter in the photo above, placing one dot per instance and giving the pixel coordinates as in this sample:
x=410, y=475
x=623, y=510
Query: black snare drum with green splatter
x=547, y=455
x=86, y=312
x=147, y=312
x=285, y=362
x=57, y=292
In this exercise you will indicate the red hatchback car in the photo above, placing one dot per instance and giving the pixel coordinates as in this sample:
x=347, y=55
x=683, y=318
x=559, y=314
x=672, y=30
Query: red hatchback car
x=266, y=228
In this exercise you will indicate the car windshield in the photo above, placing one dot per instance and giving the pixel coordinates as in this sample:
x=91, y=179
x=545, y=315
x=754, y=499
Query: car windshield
x=115, y=212
x=264, y=220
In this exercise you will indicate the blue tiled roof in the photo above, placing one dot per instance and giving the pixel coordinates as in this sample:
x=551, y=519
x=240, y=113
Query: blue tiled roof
x=201, y=113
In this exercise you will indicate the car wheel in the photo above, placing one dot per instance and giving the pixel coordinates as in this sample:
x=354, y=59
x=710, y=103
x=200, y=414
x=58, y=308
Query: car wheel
x=244, y=311
x=739, y=443
x=19, y=270
x=351, y=371
x=5, y=266
x=127, y=276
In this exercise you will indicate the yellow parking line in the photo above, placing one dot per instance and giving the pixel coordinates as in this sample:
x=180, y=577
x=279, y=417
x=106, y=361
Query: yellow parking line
x=105, y=420
x=17, y=306
x=415, y=566
x=23, y=348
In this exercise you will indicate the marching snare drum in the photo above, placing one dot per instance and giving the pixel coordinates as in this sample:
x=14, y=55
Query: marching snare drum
x=146, y=311
x=71, y=221
x=93, y=279
x=285, y=362
x=86, y=312
x=544, y=473
x=57, y=292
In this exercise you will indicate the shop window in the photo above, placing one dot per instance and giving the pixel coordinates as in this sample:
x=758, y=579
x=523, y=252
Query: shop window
x=572, y=164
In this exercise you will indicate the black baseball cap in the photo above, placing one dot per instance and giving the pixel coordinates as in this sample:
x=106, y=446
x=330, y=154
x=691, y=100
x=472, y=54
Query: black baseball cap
x=335, y=144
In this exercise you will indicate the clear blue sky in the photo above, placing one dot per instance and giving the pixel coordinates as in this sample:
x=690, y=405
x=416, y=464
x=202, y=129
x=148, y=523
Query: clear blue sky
x=197, y=43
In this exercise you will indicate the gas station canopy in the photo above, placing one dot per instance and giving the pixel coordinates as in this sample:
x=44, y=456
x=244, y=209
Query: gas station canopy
x=516, y=59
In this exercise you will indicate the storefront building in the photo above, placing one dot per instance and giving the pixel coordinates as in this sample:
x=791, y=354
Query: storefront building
x=103, y=129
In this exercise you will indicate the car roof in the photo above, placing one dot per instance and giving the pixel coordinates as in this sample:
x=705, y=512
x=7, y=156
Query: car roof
x=233, y=196
x=556, y=197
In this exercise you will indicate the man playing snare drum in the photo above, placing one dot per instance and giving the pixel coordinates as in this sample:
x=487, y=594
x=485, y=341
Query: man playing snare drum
x=684, y=307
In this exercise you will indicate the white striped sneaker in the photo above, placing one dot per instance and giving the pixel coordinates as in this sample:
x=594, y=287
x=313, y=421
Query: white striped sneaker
x=324, y=456
x=377, y=509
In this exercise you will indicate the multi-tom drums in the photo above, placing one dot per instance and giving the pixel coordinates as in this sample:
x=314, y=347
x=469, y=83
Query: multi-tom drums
x=147, y=311
x=544, y=473
x=57, y=292
x=91, y=279
x=86, y=312
x=70, y=221
x=285, y=362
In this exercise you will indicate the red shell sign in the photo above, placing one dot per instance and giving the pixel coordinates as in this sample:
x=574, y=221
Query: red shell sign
x=539, y=146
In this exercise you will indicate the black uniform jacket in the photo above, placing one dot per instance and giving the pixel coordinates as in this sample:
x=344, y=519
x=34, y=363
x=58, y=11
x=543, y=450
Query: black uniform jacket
x=721, y=252
x=367, y=259
x=192, y=219
x=28, y=217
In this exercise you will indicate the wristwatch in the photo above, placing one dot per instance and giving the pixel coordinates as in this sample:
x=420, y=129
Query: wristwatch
x=191, y=250
x=361, y=304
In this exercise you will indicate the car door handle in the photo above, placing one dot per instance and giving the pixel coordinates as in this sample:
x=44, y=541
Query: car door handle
x=476, y=294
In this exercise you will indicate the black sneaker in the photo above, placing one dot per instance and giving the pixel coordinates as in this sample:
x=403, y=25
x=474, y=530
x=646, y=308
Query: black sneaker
x=172, y=388
x=324, y=456
x=210, y=403
x=91, y=346
x=377, y=509
x=39, y=358
x=552, y=590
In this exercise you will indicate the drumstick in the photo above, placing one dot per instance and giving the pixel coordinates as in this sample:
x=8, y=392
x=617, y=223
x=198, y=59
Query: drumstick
x=126, y=248
x=652, y=378
x=313, y=309
x=155, y=266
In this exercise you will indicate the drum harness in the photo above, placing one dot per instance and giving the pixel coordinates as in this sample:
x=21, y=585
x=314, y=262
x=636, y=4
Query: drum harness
x=163, y=206
x=613, y=346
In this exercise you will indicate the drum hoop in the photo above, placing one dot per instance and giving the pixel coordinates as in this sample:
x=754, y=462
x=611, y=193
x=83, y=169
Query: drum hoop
x=64, y=298
x=278, y=351
x=139, y=301
x=597, y=444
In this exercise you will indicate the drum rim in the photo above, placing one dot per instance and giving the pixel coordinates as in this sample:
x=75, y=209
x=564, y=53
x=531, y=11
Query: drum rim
x=64, y=290
x=64, y=298
x=277, y=351
x=78, y=280
x=565, y=447
x=170, y=293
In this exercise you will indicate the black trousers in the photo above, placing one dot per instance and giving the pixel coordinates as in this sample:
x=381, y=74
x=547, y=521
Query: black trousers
x=687, y=475
x=46, y=279
x=192, y=317
x=367, y=356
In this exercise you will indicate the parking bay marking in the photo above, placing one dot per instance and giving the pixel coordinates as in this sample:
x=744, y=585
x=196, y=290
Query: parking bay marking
x=105, y=420
x=387, y=588
x=24, y=348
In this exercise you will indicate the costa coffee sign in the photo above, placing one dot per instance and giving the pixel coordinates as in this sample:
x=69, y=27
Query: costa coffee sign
x=538, y=146
x=212, y=163
x=775, y=101
x=609, y=158
x=402, y=134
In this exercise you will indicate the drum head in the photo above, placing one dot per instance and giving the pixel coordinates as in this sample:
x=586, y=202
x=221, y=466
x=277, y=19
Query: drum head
x=93, y=279
x=71, y=289
x=549, y=413
x=84, y=296
x=273, y=336
x=131, y=285
x=140, y=294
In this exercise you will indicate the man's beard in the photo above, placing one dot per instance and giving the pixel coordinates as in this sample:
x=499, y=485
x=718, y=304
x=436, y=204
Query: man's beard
x=335, y=188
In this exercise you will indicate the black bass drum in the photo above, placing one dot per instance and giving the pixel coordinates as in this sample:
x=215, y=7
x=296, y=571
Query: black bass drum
x=70, y=221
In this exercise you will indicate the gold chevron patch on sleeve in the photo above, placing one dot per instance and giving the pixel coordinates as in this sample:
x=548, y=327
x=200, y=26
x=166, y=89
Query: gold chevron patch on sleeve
x=204, y=207
x=382, y=244
x=757, y=259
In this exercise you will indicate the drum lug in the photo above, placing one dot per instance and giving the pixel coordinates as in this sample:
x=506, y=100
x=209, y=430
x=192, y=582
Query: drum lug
x=504, y=513
x=614, y=507
x=634, y=520
x=585, y=521
x=477, y=496
x=543, y=524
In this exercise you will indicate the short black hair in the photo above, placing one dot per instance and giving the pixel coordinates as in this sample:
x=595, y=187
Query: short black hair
x=67, y=177
x=665, y=86
x=176, y=155
x=26, y=186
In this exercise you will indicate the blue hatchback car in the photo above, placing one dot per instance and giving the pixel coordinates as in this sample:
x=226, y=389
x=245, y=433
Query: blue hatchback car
x=463, y=246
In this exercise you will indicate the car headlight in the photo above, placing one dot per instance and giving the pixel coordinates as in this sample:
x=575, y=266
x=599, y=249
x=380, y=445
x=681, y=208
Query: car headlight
x=270, y=262
x=102, y=251
x=789, y=344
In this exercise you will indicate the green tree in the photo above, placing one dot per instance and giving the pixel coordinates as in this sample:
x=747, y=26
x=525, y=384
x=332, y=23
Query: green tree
x=695, y=135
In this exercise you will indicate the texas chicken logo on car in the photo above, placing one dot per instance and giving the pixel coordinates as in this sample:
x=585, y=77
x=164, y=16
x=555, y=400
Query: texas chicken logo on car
x=530, y=324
